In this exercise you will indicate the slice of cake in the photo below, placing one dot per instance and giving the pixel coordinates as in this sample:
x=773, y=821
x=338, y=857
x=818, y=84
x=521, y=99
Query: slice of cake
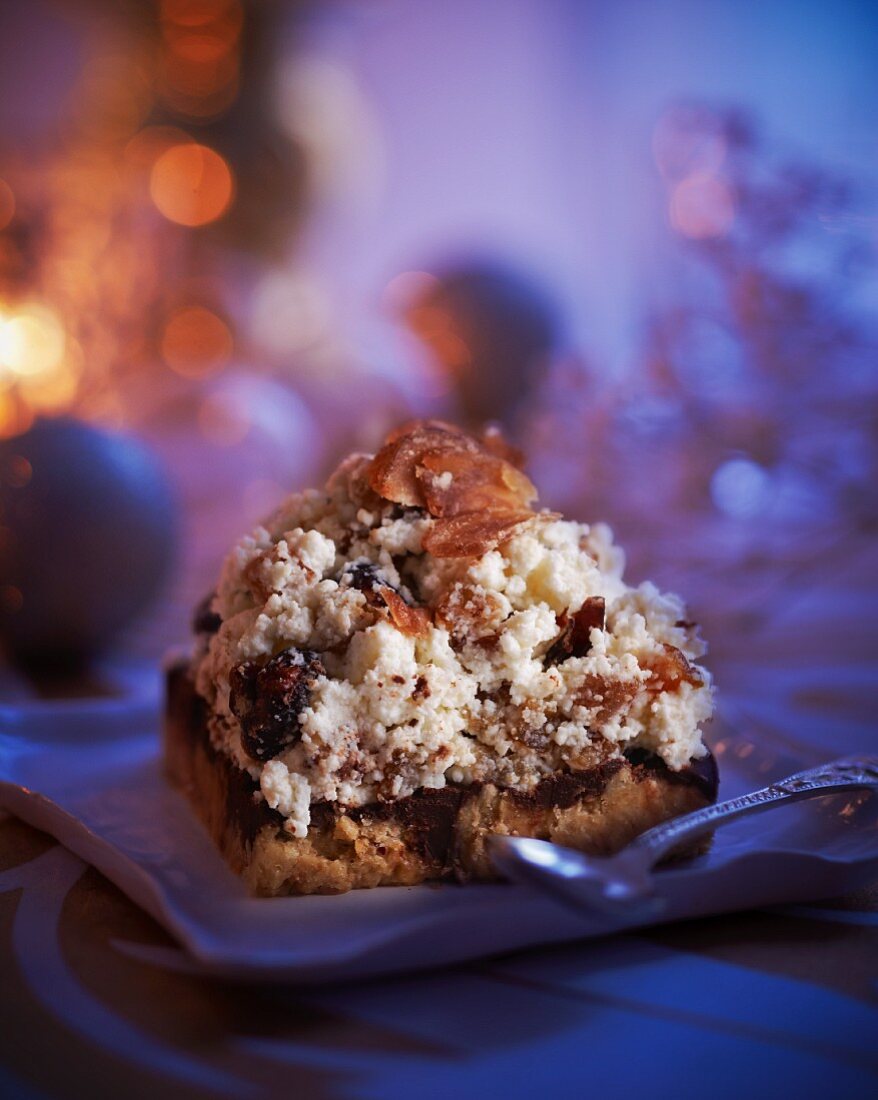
x=397, y=667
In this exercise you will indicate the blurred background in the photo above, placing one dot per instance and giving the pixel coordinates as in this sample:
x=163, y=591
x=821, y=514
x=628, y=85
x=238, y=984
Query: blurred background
x=239, y=239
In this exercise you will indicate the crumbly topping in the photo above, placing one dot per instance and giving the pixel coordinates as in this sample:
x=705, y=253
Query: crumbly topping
x=418, y=623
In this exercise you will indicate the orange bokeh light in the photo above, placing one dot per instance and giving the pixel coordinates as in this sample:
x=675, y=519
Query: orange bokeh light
x=196, y=342
x=15, y=416
x=32, y=340
x=7, y=204
x=199, y=69
x=191, y=184
x=201, y=13
x=437, y=327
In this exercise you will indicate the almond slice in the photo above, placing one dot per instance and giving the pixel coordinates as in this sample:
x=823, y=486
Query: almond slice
x=414, y=621
x=392, y=473
x=671, y=670
x=473, y=534
x=455, y=482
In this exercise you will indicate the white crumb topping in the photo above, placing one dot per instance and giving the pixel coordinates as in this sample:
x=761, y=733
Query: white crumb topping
x=288, y=793
x=477, y=695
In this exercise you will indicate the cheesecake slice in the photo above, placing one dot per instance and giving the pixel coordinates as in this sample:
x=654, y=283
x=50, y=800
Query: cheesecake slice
x=394, y=668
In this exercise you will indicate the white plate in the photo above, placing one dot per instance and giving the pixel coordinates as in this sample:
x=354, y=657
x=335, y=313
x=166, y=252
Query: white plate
x=89, y=774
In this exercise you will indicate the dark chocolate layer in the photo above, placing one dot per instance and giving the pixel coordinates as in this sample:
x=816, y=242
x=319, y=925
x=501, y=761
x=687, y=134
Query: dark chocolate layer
x=428, y=815
x=565, y=789
x=188, y=711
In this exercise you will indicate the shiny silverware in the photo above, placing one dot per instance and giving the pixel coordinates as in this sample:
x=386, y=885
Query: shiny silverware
x=625, y=882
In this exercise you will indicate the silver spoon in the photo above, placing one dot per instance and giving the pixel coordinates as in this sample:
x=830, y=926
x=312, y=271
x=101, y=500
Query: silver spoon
x=625, y=882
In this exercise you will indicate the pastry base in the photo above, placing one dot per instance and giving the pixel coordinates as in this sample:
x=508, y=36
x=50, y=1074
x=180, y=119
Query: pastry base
x=429, y=836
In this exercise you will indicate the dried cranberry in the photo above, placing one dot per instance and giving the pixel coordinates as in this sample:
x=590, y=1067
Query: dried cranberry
x=268, y=699
x=204, y=620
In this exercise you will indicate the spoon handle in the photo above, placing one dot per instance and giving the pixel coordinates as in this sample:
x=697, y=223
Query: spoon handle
x=841, y=775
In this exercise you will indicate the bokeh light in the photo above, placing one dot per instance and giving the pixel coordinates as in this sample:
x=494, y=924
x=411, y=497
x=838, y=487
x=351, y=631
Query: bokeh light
x=702, y=207
x=53, y=390
x=196, y=342
x=437, y=327
x=191, y=184
x=290, y=312
x=199, y=65
x=322, y=107
x=15, y=416
x=741, y=488
x=32, y=340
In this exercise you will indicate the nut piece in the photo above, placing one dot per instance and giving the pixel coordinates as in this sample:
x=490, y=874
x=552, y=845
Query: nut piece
x=475, y=495
x=268, y=699
x=384, y=598
x=671, y=670
x=575, y=637
x=469, y=613
x=473, y=534
x=393, y=473
x=454, y=483
x=609, y=696
x=414, y=621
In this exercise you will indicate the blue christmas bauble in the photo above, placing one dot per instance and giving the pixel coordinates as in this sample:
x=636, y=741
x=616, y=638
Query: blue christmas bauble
x=88, y=528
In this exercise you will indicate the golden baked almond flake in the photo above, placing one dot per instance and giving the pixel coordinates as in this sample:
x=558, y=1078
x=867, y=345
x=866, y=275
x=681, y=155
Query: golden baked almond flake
x=414, y=621
x=672, y=669
x=473, y=534
x=393, y=471
x=454, y=483
x=476, y=496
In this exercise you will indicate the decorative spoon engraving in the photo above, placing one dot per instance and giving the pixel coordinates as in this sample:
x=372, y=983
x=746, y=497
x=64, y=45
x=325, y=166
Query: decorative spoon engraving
x=625, y=880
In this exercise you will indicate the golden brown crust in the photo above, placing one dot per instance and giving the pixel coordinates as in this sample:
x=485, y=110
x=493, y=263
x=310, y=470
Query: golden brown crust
x=431, y=836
